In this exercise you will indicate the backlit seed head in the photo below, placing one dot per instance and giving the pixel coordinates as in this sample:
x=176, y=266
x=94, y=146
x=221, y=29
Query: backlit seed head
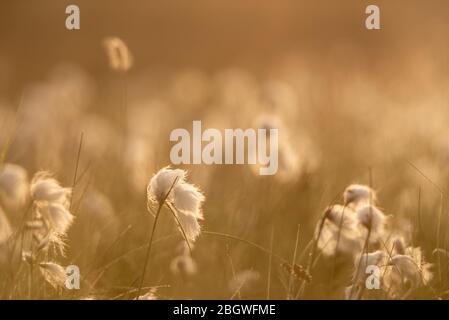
x=45, y=188
x=53, y=273
x=58, y=216
x=357, y=194
x=120, y=58
x=5, y=227
x=184, y=199
x=162, y=181
x=13, y=185
x=371, y=218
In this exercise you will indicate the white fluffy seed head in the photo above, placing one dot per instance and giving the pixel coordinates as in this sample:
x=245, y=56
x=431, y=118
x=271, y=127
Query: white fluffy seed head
x=58, y=216
x=407, y=268
x=336, y=212
x=189, y=224
x=53, y=273
x=45, y=188
x=339, y=227
x=5, y=227
x=13, y=185
x=372, y=258
x=357, y=194
x=184, y=199
x=371, y=218
x=188, y=199
x=162, y=181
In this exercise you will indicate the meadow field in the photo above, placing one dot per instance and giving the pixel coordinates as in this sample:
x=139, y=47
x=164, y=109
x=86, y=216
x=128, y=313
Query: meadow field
x=86, y=178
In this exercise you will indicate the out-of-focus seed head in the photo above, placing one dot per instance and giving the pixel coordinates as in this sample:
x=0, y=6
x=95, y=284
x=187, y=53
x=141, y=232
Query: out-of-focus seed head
x=14, y=185
x=357, y=194
x=119, y=56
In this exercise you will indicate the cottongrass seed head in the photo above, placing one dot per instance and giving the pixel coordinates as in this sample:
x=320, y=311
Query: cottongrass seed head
x=184, y=199
x=51, y=202
x=45, y=188
x=357, y=194
x=372, y=219
x=5, y=227
x=58, y=216
x=162, y=181
x=53, y=273
x=340, y=226
x=120, y=58
x=409, y=267
x=14, y=185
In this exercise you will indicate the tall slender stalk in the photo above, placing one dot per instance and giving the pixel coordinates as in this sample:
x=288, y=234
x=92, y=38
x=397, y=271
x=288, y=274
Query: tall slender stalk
x=290, y=279
x=334, y=262
x=357, y=271
x=270, y=260
x=150, y=241
x=438, y=236
x=228, y=254
x=183, y=232
x=312, y=254
x=75, y=174
x=30, y=283
x=365, y=249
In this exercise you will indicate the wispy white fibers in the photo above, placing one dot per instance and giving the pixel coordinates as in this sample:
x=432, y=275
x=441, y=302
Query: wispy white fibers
x=5, y=234
x=51, y=204
x=53, y=273
x=340, y=225
x=185, y=199
x=356, y=195
x=58, y=216
x=187, y=202
x=45, y=188
x=426, y=268
x=162, y=181
x=373, y=220
x=188, y=199
x=168, y=187
x=5, y=227
x=406, y=270
x=13, y=185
